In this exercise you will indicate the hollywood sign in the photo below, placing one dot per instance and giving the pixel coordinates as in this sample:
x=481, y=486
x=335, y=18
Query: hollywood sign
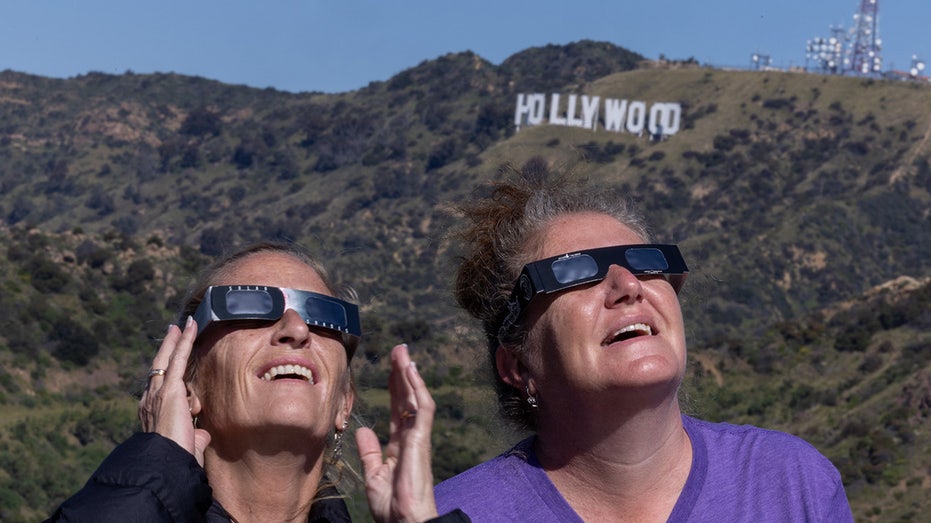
x=583, y=110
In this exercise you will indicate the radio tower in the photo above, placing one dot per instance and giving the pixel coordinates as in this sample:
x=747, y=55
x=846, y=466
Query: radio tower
x=864, y=53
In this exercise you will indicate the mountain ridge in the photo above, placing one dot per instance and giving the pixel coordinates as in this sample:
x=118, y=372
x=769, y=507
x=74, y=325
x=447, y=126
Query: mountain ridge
x=798, y=200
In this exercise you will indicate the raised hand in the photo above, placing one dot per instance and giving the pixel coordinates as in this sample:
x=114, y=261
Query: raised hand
x=164, y=406
x=399, y=486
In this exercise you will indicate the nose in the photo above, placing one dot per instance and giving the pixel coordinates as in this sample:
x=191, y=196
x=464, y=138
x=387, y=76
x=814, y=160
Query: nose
x=623, y=287
x=291, y=330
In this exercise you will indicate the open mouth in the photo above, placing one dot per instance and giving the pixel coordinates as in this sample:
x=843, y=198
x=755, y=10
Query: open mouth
x=294, y=372
x=629, y=332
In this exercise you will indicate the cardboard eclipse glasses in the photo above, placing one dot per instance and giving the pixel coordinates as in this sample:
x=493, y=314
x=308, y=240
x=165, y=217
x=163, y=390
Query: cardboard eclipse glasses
x=256, y=302
x=579, y=268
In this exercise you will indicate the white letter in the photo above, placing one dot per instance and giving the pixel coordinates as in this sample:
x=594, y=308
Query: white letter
x=636, y=117
x=615, y=112
x=589, y=111
x=523, y=108
x=570, y=114
x=664, y=118
x=537, y=103
x=554, y=110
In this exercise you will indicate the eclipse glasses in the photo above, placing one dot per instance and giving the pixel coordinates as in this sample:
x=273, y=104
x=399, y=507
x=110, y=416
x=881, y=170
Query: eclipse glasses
x=255, y=302
x=579, y=268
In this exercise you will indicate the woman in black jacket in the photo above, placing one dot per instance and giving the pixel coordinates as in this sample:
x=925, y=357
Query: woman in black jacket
x=246, y=406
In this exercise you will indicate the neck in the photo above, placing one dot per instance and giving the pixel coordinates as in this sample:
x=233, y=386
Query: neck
x=641, y=458
x=263, y=483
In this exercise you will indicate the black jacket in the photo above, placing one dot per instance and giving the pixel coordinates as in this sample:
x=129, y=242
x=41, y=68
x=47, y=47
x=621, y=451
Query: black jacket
x=150, y=478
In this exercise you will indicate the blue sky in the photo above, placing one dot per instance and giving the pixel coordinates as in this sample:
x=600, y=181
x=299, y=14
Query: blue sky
x=341, y=45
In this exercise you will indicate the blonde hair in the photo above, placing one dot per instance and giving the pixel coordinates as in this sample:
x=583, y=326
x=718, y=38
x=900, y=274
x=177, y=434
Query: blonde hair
x=335, y=465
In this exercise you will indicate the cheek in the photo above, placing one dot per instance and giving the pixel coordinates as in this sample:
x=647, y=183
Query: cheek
x=342, y=379
x=573, y=315
x=552, y=332
x=205, y=385
x=668, y=304
x=216, y=372
x=331, y=356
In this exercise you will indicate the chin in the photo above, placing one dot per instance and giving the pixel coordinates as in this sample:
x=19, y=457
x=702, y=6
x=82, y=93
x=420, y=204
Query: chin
x=653, y=370
x=290, y=413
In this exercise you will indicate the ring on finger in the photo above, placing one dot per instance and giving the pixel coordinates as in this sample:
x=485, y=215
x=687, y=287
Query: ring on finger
x=408, y=414
x=156, y=372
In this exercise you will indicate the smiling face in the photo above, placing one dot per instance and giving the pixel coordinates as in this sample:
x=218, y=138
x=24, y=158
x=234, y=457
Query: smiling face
x=622, y=335
x=270, y=375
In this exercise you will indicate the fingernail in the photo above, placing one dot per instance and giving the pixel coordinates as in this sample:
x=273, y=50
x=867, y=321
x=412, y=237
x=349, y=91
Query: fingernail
x=414, y=366
x=189, y=322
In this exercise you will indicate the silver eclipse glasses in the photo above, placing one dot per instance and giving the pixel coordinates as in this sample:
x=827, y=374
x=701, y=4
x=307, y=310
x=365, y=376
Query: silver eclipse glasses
x=589, y=266
x=257, y=302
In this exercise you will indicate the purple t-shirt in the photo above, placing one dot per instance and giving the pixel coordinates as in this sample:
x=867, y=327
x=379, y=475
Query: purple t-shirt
x=739, y=473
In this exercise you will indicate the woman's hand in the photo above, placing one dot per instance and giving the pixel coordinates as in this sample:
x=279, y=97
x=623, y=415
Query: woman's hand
x=164, y=405
x=399, y=486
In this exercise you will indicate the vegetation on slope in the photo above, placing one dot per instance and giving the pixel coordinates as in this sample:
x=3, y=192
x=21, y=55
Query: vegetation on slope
x=801, y=202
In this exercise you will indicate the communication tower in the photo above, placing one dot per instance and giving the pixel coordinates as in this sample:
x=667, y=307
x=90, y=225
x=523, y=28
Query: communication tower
x=761, y=62
x=864, y=52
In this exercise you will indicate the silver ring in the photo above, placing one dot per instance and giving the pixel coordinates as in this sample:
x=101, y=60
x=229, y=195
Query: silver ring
x=156, y=372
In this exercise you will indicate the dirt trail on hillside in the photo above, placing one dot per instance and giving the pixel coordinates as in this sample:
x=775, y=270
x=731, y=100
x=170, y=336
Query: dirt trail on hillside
x=910, y=157
x=708, y=365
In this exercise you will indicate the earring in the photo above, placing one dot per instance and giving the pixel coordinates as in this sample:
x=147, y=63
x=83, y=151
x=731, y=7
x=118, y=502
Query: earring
x=531, y=399
x=337, y=445
x=194, y=419
x=338, y=442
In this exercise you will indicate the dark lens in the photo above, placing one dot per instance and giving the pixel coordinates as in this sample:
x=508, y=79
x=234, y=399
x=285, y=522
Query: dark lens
x=325, y=311
x=248, y=302
x=646, y=260
x=574, y=268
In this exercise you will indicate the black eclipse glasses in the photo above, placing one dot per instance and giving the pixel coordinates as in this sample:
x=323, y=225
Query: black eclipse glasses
x=579, y=268
x=256, y=302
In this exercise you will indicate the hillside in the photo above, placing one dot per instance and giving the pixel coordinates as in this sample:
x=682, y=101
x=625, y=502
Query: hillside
x=801, y=202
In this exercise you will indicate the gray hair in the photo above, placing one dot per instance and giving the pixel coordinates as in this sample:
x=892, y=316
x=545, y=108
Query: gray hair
x=504, y=228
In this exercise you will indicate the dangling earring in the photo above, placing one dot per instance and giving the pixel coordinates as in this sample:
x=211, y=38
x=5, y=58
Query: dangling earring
x=338, y=442
x=337, y=445
x=531, y=399
x=194, y=419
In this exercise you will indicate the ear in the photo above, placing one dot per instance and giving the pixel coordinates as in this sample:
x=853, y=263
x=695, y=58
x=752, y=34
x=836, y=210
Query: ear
x=511, y=370
x=193, y=400
x=345, y=409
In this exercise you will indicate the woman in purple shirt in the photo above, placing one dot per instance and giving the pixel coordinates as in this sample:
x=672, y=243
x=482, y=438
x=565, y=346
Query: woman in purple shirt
x=587, y=342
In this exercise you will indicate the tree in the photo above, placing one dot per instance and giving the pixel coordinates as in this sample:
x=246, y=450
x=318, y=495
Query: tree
x=201, y=122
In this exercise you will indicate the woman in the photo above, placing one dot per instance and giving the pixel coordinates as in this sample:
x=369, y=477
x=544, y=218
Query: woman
x=243, y=402
x=588, y=348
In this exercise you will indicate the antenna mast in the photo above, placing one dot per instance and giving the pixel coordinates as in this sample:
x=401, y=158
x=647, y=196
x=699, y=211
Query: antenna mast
x=864, y=53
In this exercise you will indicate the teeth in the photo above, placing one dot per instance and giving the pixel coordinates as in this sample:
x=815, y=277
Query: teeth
x=643, y=327
x=638, y=329
x=280, y=370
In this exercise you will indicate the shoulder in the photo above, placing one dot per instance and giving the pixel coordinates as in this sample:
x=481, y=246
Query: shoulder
x=148, y=476
x=749, y=440
x=490, y=482
x=510, y=487
x=757, y=474
x=484, y=476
